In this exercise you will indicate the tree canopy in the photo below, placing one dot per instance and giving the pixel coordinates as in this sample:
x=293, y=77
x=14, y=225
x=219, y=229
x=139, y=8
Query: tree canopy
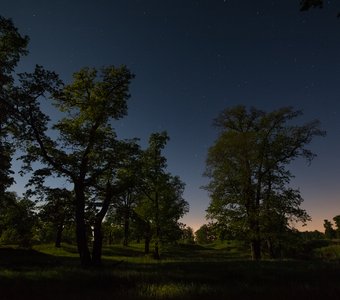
x=247, y=167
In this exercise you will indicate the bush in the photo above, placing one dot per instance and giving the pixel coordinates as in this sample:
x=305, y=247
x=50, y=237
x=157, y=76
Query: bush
x=328, y=253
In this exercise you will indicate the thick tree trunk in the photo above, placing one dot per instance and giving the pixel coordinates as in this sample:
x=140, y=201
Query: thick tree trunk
x=83, y=249
x=97, y=230
x=59, y=233
x=97, y=243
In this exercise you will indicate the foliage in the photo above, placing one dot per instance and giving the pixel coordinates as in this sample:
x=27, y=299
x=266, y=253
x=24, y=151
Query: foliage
x=84, y=146
x=12, y=47
x=308, y=4
x=336, y=220
x=162, y=204
x=188, y=236
x=329, y=231
x=331, y=252
x=17, y=220
x=247, y=166
x=58, y=210
x=205, y=234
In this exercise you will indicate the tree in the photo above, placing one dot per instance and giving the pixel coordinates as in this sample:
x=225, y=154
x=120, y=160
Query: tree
x=58, y=210
x=12, y=47
x=188, y=236
x=17, y=219
x=205, y=234
x=83, y=145
x=308, y=4
x=247, y=167
x=163, y=204
x=329, y=230
x=336, y=220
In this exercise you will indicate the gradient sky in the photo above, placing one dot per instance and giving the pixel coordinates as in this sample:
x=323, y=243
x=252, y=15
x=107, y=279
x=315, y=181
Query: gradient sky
x=192, y=59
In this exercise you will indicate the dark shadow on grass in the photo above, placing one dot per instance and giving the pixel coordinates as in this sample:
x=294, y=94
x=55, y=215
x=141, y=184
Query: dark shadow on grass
x=17, y=259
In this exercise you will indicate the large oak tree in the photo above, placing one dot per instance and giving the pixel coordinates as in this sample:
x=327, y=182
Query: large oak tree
x=249, y=175
x=82, y=145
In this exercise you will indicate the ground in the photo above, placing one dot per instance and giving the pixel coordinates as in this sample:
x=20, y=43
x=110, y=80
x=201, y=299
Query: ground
x=221, y=271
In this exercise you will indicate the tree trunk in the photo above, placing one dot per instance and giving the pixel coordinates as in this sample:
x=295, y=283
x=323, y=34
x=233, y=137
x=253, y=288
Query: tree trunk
x=126, y=229
x=156, y=251
x=97, y=230
x=83, y=249
x=97, y=243
x=147, y=245
x=147, y=238
x=271, y=249
x=255, y=249
x=59, y=232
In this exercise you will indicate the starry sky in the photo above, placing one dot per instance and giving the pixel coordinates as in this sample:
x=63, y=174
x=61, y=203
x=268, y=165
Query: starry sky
x=192, y=59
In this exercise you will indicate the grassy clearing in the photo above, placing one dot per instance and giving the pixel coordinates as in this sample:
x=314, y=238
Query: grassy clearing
x=185, y=272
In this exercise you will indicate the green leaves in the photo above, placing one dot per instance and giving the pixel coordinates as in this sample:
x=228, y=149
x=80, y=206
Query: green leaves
x=96, y=96
x=247, y=167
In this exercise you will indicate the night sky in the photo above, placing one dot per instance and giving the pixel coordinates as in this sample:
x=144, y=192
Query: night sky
x=192, y=59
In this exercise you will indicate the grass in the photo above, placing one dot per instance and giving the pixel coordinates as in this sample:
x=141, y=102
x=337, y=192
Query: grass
x=185, y=272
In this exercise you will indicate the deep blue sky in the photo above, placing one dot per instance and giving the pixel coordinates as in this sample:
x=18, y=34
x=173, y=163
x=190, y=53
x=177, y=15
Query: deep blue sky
x=194, y=58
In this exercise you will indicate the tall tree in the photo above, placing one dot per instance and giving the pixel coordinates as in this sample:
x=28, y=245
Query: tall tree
x=12, y=47
x=81, y=145
x=163, y=203
x=329, y=230
x=247, y=166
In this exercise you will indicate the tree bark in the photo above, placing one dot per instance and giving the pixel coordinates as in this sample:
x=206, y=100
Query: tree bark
x=158, y=230
x=126, y=228
x=256, y=249
x=147, y=238
x=59, y=232
x=97, y=243
x=83, y=249
x=97, y=230
x=147, y=245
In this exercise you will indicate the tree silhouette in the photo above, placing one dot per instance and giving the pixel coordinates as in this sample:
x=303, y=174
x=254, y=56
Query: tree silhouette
x=247, y=168
x=86, y=144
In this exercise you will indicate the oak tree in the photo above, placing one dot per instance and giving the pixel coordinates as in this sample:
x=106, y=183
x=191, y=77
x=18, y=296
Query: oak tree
x=247, y=167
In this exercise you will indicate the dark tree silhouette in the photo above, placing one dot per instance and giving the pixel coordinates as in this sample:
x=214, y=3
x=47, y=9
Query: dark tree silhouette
x=247, y=166
x=12, y=47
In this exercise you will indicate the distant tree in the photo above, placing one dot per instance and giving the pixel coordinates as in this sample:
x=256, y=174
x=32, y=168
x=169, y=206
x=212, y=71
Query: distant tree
x=163, y=204
x=329, y=230
x=58, y=210
x=336, y=220
x=188, y=235
x=129, y=175
x=247, y=166
x=205, y=234
x=17, y=220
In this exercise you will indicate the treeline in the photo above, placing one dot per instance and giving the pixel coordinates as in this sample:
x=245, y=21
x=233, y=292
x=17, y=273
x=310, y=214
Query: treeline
x=80, y=147
x=290, y=244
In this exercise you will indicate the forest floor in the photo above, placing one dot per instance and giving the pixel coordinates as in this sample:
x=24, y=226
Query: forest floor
x=184, y=272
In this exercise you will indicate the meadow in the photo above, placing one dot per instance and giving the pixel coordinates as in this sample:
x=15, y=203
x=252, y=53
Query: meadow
x=222, y=271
